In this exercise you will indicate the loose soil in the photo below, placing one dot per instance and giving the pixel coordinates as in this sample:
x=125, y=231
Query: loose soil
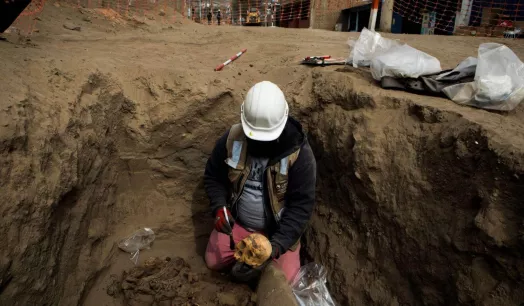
x=169, y=281
x=107, y=130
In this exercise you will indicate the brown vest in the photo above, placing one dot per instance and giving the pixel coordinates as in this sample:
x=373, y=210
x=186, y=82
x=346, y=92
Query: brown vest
x=240, y=166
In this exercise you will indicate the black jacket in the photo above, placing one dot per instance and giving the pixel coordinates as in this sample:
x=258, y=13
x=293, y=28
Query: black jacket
x=300, y=196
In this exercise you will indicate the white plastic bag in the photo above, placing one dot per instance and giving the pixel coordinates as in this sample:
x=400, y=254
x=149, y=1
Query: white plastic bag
x=309, y=286
x=140, y=240
x=499, y=80
x=404, y=62
x=368, y=45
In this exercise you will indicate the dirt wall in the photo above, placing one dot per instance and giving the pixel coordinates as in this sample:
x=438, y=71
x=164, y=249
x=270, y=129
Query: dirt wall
x=58, y=180
x=79, y=179
x=418, y=205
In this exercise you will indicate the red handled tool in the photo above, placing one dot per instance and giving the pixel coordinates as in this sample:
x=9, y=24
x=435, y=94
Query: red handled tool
x=317, y=57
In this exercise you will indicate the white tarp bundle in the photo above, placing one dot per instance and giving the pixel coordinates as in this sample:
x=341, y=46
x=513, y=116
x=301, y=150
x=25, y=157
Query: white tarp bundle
x=499, y=80
x=368, y=45
x=404, y=62
x=499, y=74
x=389, y=57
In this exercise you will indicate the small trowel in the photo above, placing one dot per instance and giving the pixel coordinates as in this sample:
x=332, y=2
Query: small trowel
x=231, y=240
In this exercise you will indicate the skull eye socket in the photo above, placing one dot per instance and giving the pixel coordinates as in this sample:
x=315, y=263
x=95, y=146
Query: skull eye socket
x=241, y=245
x=250, y=253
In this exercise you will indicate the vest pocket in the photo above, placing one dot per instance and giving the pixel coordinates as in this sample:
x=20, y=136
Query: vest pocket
x=281, y=189
x=280, y=185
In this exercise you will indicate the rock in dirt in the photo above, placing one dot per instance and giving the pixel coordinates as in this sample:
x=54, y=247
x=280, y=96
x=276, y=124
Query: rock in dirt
x=72, y=27
x=114, y=287
x=273, y=289
x=226, y=299
x=162, y=12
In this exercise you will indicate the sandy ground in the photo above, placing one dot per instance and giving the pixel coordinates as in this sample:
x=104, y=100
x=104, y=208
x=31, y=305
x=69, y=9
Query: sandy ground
x=107, y=129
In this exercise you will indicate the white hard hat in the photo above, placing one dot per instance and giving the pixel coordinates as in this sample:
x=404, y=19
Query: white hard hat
x=264, y=112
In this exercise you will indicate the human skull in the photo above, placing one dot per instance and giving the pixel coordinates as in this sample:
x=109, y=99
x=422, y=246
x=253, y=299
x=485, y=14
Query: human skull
x=253, y=250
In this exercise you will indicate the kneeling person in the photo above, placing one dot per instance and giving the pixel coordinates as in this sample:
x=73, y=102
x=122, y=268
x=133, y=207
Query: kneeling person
x=261, y=178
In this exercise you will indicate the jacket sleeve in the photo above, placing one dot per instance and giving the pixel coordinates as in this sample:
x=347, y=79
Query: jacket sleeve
x=215, y=176
x=300, y=199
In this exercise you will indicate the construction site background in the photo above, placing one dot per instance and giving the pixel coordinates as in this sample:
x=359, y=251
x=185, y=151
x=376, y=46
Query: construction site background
x=496, y=18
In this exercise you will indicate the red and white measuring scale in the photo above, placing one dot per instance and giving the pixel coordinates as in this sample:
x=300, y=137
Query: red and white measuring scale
x=219, y=67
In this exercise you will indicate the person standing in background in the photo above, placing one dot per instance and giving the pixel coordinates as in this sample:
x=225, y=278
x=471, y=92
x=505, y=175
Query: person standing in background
x=219, y=16
x=209, y=16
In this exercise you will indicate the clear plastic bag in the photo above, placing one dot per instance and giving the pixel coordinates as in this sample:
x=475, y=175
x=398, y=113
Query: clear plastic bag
x=368, y=45
x=499, y=80
x=467, y=66
x=404, y=62
x=309, y=286
x=139, y=240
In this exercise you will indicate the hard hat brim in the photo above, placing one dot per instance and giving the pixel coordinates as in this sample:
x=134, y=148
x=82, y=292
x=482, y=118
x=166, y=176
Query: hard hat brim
x=262, y=135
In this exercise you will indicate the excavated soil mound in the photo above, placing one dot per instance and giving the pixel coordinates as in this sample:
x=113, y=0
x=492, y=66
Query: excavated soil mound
x=169, y=281
x=107, y=130
x=159, y=280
